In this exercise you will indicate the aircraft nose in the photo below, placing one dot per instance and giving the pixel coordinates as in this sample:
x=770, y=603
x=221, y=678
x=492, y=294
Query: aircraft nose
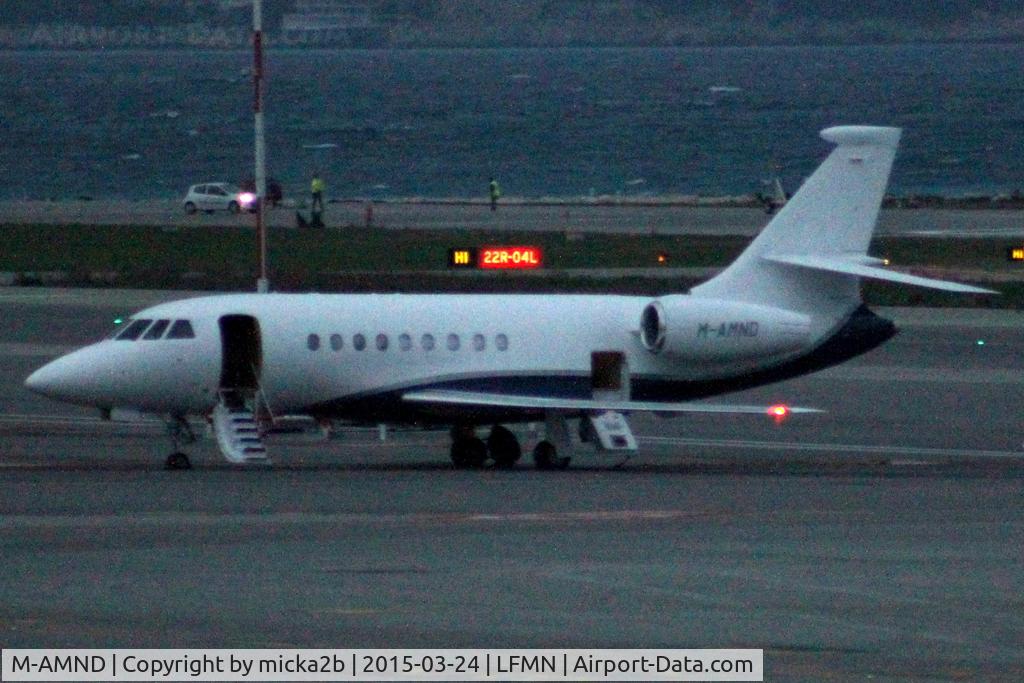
x=47, y=380
x=71, y=378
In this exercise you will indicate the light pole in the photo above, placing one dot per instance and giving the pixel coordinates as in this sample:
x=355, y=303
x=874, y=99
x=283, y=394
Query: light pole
x=262, y=283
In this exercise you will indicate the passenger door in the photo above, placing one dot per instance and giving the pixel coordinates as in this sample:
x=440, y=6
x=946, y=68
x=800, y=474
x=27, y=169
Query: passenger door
x=241, y=353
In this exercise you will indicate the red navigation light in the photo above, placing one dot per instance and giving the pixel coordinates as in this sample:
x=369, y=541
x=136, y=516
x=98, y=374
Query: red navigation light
x=779, y=412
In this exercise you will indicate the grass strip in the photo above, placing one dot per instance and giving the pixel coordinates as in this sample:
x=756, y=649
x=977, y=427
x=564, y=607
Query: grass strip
x=416, y=260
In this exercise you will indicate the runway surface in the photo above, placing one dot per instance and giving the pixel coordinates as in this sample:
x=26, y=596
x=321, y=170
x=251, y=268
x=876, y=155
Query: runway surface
x=881, y=539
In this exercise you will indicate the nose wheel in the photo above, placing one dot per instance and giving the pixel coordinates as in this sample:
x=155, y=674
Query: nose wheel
x=178, y=461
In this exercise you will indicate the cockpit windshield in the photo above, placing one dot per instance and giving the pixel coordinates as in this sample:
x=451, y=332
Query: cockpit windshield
x=157, y=330
x=146, y=329
x=134, y=330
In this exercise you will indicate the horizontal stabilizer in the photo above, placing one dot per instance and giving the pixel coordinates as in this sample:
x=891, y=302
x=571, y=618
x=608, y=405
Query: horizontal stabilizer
x=864, y=266
x=573, y=405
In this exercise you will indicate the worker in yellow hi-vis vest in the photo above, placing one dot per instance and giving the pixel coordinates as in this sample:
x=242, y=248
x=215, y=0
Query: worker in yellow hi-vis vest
x=318, y=187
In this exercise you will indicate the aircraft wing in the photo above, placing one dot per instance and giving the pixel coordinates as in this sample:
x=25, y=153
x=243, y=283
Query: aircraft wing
x=491, y=400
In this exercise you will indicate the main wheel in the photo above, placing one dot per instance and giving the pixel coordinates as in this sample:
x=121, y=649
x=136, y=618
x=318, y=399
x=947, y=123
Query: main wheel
x=504, y=447
x=190, y=208
x=469, y=453
x=178, y=461
x=545, y=457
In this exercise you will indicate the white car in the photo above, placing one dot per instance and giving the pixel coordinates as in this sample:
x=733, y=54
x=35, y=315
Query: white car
x=212, y=197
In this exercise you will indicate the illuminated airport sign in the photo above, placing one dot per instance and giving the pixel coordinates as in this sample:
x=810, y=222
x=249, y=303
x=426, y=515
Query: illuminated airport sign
x=510, y=257
x=496, y=258
x=462, y=258
x=1015, y=253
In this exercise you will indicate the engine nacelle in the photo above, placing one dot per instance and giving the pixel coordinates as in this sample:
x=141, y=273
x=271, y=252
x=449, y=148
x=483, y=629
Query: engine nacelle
x=711, y=330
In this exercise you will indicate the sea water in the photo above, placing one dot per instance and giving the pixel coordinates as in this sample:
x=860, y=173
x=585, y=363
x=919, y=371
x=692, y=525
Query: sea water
x=562, y=123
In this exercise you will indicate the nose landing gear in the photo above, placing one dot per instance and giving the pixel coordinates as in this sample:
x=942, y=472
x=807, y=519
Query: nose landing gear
x=180, y=432
x=178, y=461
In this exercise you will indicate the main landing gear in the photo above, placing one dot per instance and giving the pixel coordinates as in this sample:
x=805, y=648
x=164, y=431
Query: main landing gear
x=181, y=434
x=545, y=457
x=554, y=453
x=502, y=447
x=468, y=451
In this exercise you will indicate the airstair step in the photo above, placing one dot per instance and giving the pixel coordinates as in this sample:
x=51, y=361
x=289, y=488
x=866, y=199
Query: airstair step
x=238, y=435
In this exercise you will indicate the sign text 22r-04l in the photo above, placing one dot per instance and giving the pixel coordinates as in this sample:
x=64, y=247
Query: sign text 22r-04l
x=495, y=258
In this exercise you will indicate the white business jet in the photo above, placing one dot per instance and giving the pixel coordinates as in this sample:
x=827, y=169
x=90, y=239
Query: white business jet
x=789, y=305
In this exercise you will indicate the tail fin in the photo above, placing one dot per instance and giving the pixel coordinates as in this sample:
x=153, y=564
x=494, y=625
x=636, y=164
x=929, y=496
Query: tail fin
x=831, y=216
x=811, y=256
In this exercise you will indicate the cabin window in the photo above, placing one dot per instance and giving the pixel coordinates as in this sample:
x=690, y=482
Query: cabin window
x=382, y=342
x=313, y=342
x=157, y=330
x=134, y=330
x=337, y=342
x=359, y=342
x=453, y=342
x=181, y=329
x=479, y=342
x=501, y=342
x=427, y=342
x=404, y=342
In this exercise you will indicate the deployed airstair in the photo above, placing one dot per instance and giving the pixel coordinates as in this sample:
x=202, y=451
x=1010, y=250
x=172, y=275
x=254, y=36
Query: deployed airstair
x=238, y=434
x=243, y=406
